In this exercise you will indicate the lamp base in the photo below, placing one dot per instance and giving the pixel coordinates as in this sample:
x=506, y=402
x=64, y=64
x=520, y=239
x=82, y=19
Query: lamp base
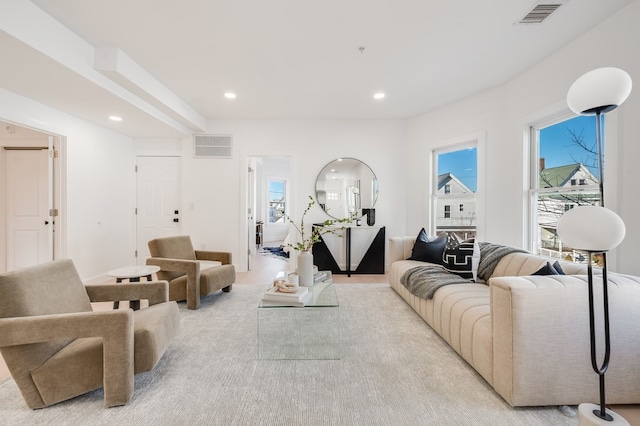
x=586, y=417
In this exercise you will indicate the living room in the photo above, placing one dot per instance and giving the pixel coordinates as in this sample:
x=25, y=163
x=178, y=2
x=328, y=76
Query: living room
x=98, y=183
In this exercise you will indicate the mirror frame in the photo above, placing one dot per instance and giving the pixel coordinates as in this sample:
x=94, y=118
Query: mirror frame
x=352, y=188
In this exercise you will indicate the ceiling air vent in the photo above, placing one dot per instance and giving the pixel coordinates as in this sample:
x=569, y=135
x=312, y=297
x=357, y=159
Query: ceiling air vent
x=540, y=12
x=212, y=146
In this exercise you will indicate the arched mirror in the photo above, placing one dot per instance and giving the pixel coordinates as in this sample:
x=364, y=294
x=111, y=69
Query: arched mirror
x=346, y=187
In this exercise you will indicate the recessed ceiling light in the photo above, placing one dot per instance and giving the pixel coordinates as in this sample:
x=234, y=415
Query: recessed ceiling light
x=115, y=118
x=230, y=95
x=379, y=95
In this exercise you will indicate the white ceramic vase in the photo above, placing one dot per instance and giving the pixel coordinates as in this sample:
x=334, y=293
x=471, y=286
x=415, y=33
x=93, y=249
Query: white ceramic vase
x=305, y=268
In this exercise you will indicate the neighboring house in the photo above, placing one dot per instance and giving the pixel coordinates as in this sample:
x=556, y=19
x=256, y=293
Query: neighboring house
x=456, y=207
x=554, y=205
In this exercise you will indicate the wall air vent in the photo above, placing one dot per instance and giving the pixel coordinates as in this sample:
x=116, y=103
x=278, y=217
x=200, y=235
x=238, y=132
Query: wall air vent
x=212, y=146
x=540, y=12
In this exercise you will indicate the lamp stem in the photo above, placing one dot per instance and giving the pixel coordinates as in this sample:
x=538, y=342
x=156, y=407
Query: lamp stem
x=601, y=413
x=600, y=156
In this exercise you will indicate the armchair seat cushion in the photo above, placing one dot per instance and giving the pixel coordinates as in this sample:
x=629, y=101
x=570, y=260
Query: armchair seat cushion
x=154, y=328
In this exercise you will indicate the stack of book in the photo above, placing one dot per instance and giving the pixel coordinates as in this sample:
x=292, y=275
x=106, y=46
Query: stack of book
x=321, y=276
x=300, y=298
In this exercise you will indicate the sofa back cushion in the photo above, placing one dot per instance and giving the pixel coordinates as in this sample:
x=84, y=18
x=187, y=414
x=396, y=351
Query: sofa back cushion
x=520, y=264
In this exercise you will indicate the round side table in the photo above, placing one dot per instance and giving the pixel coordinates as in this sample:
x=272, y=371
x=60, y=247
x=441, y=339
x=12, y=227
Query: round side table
x=133, y=274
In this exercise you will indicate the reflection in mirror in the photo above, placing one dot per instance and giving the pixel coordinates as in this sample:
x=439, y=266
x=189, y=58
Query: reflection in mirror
x=345, y=187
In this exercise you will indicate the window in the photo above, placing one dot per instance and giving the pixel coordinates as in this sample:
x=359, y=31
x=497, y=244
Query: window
x=277, y=202
x=562, y=154
x=455, y=179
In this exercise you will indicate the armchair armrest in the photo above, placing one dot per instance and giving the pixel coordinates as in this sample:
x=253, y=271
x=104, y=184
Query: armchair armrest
x=221, y=256
x=115, y=328
x=154, y=291
x=42, y=328
x=189, y=267
x=175, y=265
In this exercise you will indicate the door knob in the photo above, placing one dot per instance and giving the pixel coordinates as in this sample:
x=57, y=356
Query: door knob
x=46, y=222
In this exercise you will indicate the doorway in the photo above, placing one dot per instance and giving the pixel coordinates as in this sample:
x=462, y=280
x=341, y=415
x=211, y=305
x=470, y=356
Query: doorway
x=31, y=229
x=269, y=191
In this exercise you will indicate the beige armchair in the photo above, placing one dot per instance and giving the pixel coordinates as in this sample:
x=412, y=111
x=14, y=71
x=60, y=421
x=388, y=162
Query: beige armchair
x=188, y=271
x=56, y=347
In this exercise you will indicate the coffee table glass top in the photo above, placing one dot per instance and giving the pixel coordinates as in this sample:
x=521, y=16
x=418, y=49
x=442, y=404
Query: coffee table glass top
x=323, y=296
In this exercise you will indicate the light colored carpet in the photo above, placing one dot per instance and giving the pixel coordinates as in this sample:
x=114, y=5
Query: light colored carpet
x=394, y=370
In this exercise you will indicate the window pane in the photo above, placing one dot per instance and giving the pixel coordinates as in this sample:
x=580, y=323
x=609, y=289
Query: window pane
x=565, y=144
x=567, y=160
x=277, y=202
x=457, y=177
x=550, y=208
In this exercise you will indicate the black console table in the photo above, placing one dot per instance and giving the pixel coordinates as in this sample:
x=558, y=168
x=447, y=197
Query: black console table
x=372, y=261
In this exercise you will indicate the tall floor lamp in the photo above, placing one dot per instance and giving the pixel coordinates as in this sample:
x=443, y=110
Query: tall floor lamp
x=596, y=229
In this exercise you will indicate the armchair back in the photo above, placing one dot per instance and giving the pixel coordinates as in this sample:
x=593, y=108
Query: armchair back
x=177, y=247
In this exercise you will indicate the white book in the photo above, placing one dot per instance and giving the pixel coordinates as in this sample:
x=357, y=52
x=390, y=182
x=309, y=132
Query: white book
x=294, y=303
x=274, y=295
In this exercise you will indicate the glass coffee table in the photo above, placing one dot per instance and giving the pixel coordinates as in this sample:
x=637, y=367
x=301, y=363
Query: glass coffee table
x=309, y=332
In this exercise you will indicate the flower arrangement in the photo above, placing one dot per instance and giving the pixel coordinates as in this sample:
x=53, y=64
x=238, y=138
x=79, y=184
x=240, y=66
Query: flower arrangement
x=306, y=243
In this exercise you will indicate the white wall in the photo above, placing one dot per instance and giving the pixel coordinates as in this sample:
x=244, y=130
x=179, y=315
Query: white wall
x=218, y=187
x=503, y=114
x=98, y=189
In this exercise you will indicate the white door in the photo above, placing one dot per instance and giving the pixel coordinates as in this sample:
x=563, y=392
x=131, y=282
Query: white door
x=29, y=225
x=158, y=201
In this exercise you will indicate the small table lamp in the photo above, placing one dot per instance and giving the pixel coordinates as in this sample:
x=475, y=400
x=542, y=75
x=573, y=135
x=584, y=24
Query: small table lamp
x=595, y=229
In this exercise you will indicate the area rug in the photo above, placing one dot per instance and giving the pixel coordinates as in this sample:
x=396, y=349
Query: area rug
x=274, y=252
x=394, y=370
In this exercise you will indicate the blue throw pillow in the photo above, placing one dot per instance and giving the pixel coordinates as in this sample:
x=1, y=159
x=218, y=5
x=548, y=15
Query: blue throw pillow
x=558, y=268
x=547, y=269
x=428, y=251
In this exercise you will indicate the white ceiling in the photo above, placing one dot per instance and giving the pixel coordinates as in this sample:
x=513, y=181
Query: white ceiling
x=290, y=59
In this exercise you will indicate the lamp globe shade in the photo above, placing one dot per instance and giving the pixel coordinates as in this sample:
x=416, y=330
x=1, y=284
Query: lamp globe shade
x=591, y=228
x=599, y=90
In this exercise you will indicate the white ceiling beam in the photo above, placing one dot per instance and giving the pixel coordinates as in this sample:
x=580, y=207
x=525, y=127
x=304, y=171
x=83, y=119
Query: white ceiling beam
x=31, y=25
x=122, y=69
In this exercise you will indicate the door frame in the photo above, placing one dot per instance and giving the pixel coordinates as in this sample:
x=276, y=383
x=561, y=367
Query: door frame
x=57, y=193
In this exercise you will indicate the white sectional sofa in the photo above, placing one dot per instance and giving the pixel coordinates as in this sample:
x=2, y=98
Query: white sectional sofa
x=528, y=336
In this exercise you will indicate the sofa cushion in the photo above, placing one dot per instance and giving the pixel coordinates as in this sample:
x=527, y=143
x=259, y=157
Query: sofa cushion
x=461, y=257
x=427, y=250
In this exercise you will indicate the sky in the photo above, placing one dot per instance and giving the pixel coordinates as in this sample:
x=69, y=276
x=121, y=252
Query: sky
x=558, y=148
x=463, y=164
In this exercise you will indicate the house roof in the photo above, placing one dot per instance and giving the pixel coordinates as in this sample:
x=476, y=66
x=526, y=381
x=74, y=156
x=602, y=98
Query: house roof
x=446, y=178
x=561, y=175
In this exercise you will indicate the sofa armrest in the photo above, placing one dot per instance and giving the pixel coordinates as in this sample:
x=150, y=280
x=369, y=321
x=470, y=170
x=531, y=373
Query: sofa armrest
x=541, y=343
x=400, y=248
x=221, y=256
x=114, y=327
x=154, y=291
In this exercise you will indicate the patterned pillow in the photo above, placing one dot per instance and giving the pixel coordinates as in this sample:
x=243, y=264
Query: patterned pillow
x=461, y=257
x=428, y=251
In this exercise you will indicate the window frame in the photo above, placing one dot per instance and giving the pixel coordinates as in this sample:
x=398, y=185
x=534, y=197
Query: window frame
x=534, y=191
